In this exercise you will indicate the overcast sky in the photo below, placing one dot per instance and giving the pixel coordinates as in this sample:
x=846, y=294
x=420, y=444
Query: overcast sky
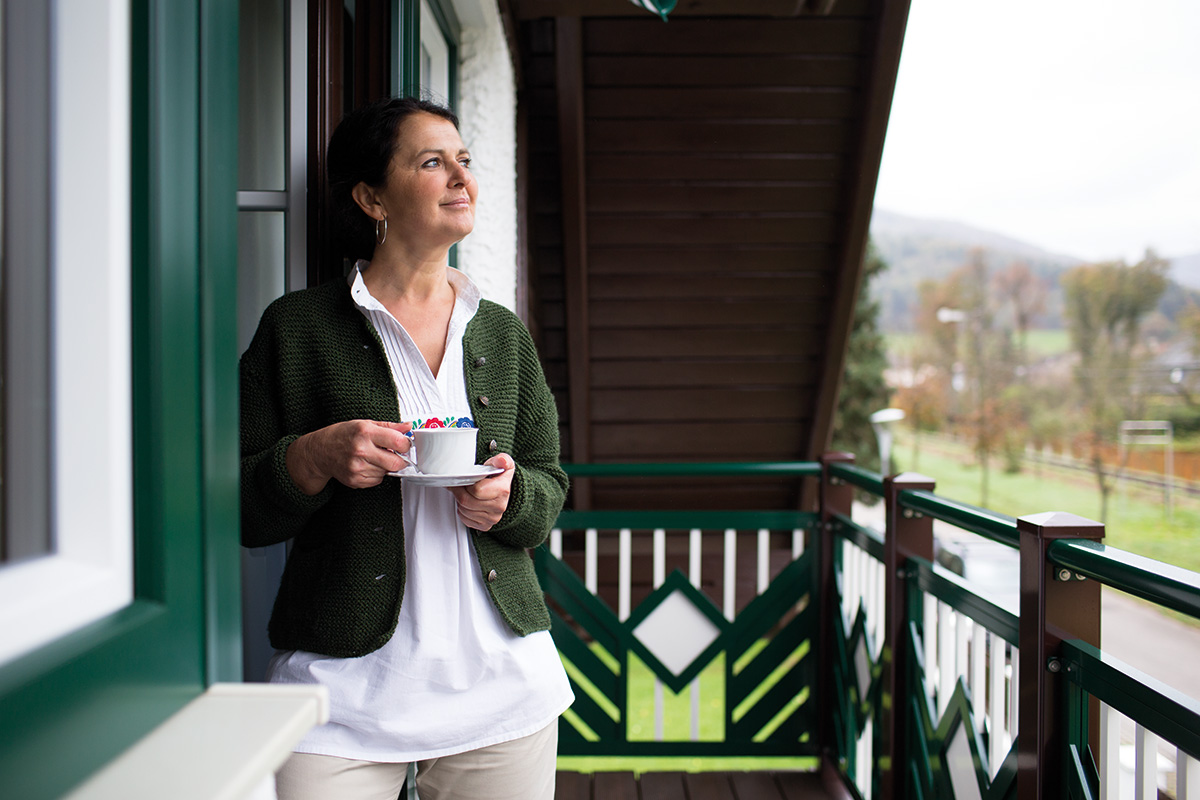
x=1069, y=124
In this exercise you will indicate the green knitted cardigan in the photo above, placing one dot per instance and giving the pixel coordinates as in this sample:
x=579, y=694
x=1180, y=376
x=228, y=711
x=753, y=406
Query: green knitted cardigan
x=316, y=360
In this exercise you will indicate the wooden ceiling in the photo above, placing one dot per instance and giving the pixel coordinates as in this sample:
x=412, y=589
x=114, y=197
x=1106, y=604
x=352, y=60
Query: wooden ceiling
x=698, y=194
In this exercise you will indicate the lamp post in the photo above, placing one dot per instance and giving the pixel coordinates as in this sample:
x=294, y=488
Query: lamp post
x=881, y=422
x=975, y=318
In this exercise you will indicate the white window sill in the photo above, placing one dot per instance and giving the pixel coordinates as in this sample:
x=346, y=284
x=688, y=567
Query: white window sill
x=224, y=745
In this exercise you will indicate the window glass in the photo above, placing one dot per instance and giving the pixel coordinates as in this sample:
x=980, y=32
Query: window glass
x=435, y=57
x=262, y=50
x=262, y=257
x=3, y=337
x=68, y=466
x=25, y=266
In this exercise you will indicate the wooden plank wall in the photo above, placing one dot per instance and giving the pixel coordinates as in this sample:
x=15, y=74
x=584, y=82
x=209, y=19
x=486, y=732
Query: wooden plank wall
x=717, y=156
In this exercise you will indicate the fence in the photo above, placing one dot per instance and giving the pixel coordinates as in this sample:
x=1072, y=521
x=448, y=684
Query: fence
x=811, y=636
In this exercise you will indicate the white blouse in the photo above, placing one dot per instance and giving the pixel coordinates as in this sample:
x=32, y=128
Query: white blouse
x=454, y=677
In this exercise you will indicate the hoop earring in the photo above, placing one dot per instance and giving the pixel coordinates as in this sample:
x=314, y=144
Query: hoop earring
x=378, y=238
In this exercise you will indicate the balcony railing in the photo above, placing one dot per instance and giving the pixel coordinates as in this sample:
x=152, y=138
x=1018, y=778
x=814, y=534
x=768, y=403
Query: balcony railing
x=811, y=637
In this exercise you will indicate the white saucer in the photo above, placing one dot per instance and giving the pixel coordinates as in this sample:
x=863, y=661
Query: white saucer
x=478, y=472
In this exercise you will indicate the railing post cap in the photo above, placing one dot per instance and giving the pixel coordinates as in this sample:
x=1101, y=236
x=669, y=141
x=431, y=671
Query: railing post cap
x=909, y=480
x=912, y=477
x=1060, y=524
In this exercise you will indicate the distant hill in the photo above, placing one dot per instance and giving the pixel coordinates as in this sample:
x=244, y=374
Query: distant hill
x=1185, y=270
x=921, y=249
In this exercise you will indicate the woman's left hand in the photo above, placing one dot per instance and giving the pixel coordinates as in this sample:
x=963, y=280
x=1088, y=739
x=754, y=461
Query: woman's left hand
x=482, y=504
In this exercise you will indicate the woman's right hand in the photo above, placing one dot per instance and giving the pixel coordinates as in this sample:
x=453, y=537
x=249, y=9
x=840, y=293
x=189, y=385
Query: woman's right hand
x=358, y=453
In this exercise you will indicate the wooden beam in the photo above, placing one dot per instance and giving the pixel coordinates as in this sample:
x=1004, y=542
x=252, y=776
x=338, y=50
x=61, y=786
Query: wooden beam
x=865, y=171
x=373, y=57
x=568, y=55
x=325, y=98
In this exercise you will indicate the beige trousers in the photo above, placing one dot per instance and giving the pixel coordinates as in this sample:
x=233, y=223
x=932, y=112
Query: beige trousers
x=522, y=769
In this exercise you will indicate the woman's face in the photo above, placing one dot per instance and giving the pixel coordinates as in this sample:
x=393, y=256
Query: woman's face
x=429, y=198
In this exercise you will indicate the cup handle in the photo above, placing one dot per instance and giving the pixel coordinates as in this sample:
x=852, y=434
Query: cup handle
x=411, y=455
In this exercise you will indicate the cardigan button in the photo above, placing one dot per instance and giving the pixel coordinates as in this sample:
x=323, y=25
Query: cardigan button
x=492, y=446
x=483, y=401
x=479, y=362
x=492, y=576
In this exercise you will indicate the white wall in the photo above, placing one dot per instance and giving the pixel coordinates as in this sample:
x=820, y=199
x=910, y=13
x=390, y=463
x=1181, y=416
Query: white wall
x=487, y=112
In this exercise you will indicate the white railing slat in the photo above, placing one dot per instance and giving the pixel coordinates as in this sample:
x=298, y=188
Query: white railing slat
x=589, y=560
x=660, y=557
x=930, y=640
x=624, y=572
x=882, y=603
x=695, y=553
x=1145, y=764
x=1187, y=776
x=730, y=605
x=995, y=703
x=978, y=681
x=1110, y=753
x=1014, y=685
x=962, y=635
x=945, y=655
x=556, y=543
x=764, y=559
x=658, y=710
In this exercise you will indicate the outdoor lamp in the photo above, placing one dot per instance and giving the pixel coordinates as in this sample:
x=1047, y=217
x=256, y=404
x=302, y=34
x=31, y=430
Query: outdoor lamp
x=660, y=7
x=882, y=421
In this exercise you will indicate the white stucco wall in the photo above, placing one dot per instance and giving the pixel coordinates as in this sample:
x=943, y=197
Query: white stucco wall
x=487, y=113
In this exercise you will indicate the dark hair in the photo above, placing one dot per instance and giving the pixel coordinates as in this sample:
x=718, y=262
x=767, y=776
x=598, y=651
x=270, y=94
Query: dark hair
x=361, y=150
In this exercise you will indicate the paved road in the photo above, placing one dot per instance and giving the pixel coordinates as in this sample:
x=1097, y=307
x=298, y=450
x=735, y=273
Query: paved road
x=1163, y=647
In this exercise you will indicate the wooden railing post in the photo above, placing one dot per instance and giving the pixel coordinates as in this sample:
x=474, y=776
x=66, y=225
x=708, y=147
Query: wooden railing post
x=908, y=535
x=836, y=497
x=1055, y=605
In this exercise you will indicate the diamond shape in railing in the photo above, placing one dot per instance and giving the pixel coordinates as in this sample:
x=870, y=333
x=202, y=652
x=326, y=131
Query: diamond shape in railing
x=677, y=631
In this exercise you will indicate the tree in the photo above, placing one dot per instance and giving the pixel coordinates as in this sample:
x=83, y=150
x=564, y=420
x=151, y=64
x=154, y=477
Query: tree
x=924, y=406
x=1188, y=321
x=1104, y=307
x=1025, y=294
x=863, y=388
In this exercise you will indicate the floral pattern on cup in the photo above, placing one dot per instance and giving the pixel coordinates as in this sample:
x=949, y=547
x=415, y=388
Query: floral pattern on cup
x=442, y=422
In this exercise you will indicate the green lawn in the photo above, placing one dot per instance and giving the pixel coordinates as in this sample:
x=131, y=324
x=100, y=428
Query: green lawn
x=1041, y=343
x=1137, y=520
x=1048, y=343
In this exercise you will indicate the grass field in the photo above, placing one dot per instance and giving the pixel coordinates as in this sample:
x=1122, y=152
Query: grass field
x=1041, y=343
x=1137, y=520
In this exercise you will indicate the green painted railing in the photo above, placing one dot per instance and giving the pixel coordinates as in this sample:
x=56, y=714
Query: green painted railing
x=857, y=476
x=874, y=676
x=728, y=469
x=1164, y=584
x=943, y=722
x=758, y=664
x=990, y=524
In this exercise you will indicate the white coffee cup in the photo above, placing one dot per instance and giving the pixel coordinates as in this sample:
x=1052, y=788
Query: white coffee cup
x=445, y=451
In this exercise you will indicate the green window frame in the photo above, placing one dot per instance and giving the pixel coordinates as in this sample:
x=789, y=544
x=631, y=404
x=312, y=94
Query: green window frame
x=69, y=707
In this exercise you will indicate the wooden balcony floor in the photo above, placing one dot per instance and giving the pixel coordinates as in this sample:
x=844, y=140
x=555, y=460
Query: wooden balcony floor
x=691, y=786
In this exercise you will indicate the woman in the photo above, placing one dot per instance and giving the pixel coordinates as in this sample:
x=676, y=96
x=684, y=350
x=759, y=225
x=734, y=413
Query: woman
x=417, y=606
